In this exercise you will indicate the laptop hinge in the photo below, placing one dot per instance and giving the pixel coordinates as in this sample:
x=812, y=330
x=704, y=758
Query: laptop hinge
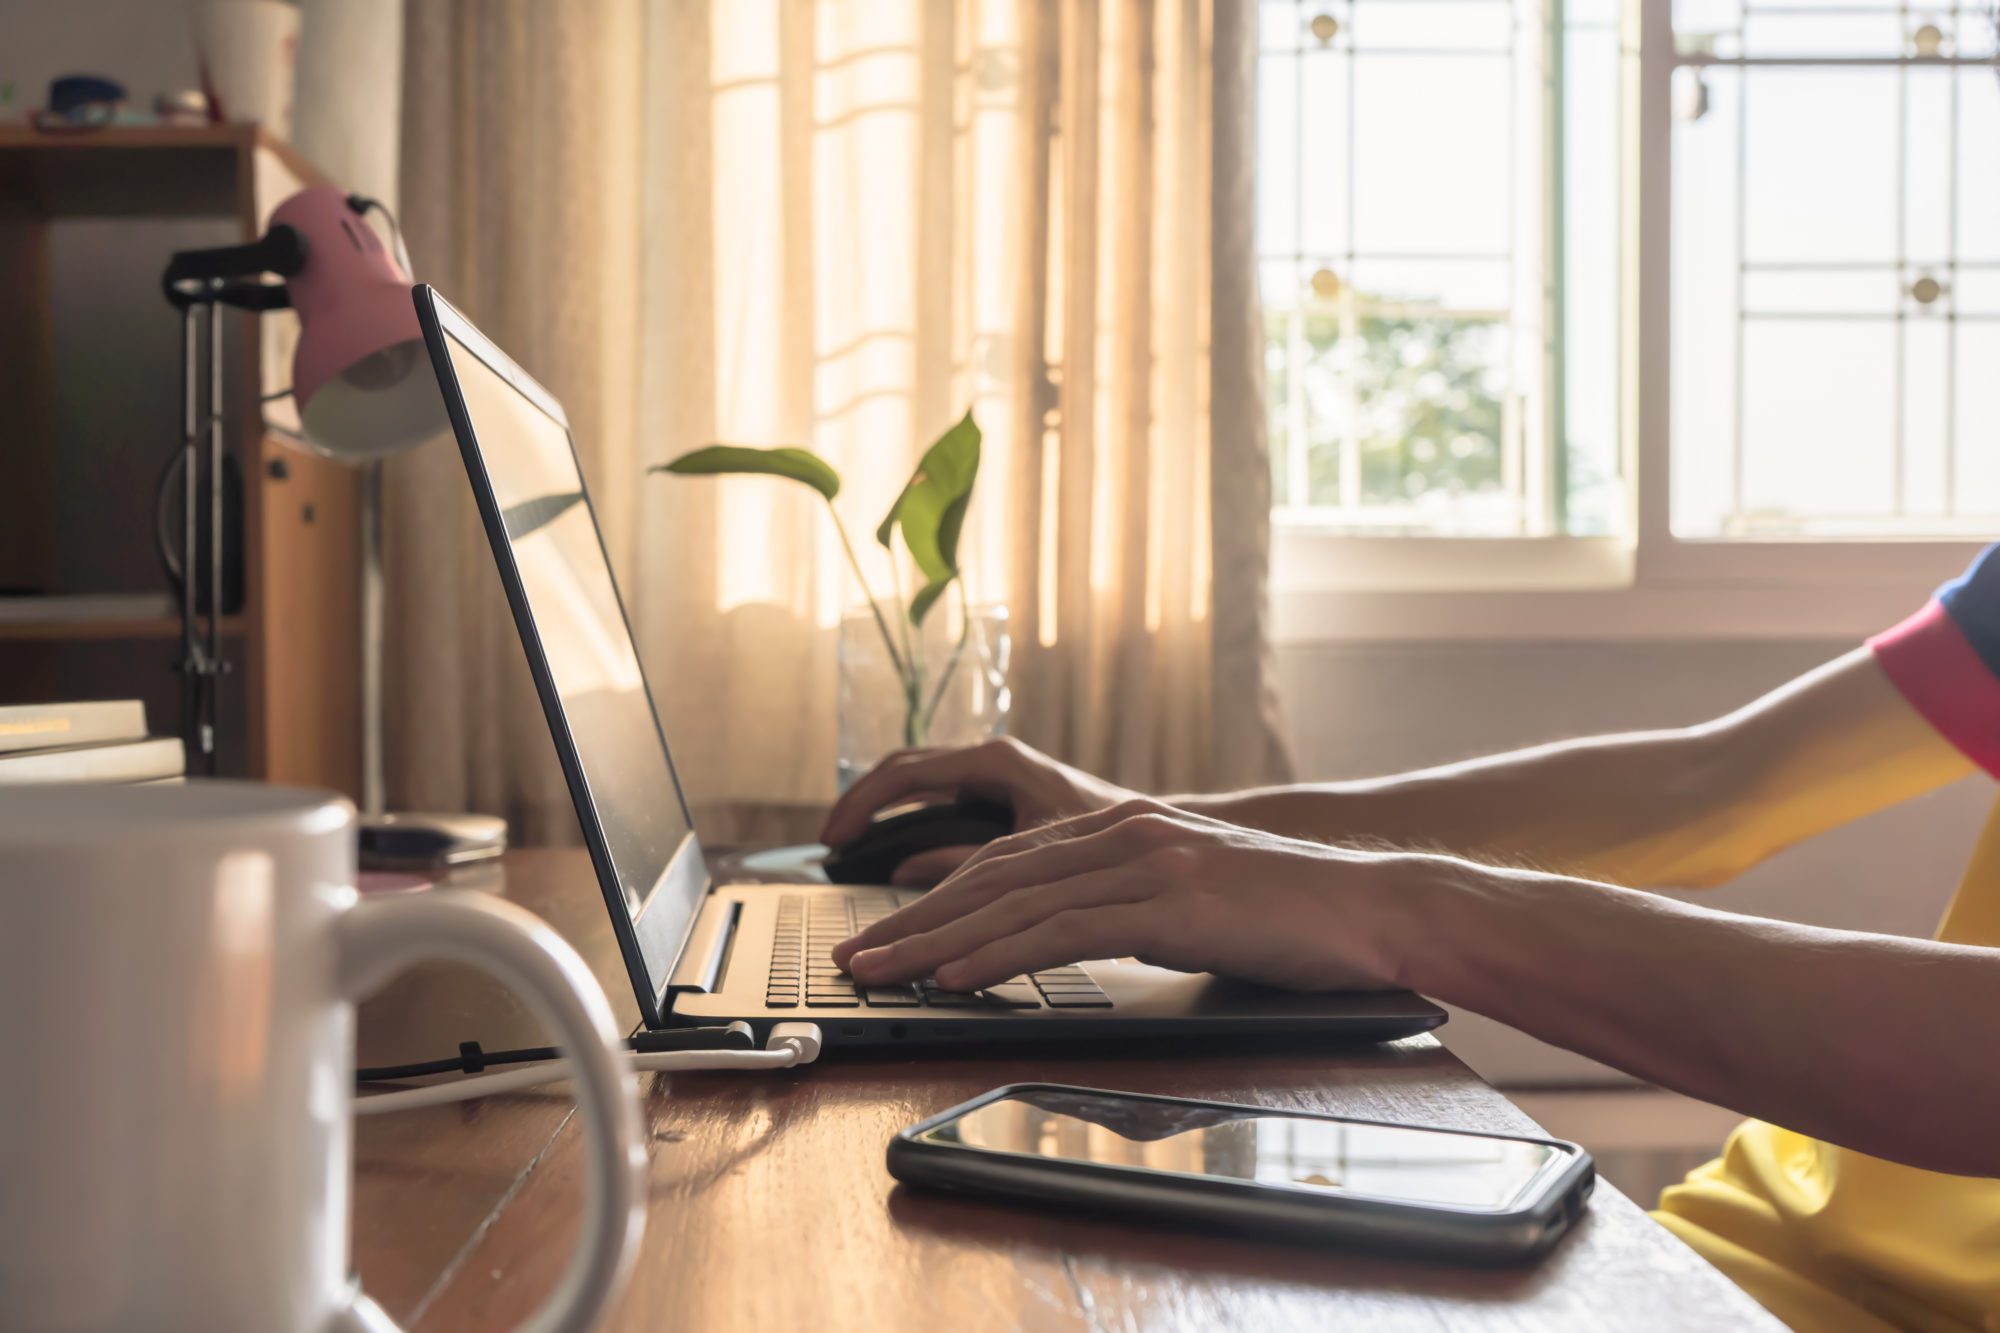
x=706, y=953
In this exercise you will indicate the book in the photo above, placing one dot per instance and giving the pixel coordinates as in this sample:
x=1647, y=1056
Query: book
x=120, y=761
x=61, y=726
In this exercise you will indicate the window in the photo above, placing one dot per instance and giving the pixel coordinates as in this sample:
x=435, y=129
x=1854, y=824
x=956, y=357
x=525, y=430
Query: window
x=1690, y=279
x=1836, y=270
x=1439, y=281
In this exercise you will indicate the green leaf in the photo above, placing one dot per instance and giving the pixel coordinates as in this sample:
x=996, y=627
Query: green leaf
x=717, y=459
x=931, y=510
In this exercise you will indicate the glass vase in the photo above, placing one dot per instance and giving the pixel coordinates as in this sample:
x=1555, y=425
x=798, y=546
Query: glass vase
x=955, y=692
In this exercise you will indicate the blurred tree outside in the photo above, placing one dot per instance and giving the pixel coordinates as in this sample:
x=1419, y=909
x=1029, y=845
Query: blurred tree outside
x=1420, y=392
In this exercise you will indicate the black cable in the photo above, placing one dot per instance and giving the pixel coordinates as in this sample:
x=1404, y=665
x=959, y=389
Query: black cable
x=471, y=1059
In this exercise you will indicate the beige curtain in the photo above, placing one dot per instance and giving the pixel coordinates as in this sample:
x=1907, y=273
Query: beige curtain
x=841, y=224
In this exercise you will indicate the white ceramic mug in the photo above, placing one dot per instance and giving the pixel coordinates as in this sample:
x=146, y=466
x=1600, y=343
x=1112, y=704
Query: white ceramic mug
x=249, y=59
x=178, y=973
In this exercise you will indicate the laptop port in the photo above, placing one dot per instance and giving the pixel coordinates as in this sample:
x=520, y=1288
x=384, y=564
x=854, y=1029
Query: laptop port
x=851, y=1030
x=898, y=1031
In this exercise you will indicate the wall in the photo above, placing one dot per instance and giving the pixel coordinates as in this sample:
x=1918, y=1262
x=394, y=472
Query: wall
x=1363, y=709
x=350, y=62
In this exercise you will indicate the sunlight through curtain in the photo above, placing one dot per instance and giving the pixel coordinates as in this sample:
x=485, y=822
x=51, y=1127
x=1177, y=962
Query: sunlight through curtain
x=841, y=224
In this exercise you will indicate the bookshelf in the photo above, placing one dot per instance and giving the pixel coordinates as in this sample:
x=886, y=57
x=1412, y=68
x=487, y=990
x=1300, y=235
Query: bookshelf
x=90, y=374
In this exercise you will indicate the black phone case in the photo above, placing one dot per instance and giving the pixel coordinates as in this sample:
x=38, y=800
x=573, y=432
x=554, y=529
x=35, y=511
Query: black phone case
x=1415, y=1230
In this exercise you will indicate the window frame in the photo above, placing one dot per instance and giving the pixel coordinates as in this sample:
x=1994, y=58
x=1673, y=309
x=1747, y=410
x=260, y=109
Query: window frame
x=1648, y=583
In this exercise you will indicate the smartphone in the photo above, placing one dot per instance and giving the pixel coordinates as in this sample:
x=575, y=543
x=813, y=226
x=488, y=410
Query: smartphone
x=1417, y=1191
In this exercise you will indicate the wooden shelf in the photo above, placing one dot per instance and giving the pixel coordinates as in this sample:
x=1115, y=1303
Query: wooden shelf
x=136, y=170
x=289, y=711
x=151, y=627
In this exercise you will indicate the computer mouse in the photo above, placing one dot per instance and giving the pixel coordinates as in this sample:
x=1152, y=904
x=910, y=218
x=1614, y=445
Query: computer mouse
x=873, y=857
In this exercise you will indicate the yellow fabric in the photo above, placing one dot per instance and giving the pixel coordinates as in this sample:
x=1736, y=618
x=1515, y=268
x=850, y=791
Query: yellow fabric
x=1832, y=1239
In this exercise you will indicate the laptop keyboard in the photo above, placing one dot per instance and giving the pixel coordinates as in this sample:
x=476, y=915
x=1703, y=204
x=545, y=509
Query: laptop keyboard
x=802, y=972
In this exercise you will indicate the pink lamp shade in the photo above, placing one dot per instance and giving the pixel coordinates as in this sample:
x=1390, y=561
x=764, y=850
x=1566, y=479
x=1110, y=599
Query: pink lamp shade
x=360, y=376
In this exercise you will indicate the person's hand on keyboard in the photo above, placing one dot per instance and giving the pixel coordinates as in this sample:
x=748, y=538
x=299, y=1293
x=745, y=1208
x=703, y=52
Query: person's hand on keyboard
x=1140, y=878
x=1039, y=789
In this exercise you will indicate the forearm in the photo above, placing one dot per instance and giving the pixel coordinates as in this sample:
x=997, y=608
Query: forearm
x=1874, y=1042
x=1600, y=806
x=1685, y=808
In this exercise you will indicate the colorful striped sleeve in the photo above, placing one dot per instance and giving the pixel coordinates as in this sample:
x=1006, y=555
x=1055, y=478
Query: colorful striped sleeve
x=1945, y=660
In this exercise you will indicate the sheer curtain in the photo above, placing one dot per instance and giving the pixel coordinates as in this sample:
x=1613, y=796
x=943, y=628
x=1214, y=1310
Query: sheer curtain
x=841, y=224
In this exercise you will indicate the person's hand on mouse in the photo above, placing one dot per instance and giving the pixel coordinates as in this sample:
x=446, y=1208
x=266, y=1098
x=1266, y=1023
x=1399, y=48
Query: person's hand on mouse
x=1140, y=878
x=1038, y=788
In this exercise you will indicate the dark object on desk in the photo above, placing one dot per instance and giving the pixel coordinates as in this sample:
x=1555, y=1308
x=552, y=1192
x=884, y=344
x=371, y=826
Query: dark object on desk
x=873, y=857
x=80, y=102
x=407, y=841
x=1428, y=1193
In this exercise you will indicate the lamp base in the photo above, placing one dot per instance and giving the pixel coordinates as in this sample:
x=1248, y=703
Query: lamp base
x=410, y=841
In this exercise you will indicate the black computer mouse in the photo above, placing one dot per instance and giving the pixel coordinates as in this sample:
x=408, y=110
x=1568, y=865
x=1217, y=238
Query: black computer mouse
x=873, y=857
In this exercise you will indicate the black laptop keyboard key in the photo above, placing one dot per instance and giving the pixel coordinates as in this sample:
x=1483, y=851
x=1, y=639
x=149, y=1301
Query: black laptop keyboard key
x=953, y=999
x=802, y=963
x=1078, y=1000
x=1011, y=997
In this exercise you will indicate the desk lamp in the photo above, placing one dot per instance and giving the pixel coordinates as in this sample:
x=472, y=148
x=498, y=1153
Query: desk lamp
x=362, y=383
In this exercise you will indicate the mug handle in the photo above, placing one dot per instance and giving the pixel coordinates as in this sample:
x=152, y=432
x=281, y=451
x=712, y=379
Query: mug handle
x=379, y=937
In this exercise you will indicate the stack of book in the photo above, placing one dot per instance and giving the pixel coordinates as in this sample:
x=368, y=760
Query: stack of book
x=100, y=741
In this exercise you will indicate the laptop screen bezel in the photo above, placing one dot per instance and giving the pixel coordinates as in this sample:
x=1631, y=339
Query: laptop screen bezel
x=651, y=940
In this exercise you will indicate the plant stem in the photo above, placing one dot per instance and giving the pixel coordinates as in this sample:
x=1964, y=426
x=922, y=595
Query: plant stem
x=912, y=649
x=854, y=561
x=958, y=651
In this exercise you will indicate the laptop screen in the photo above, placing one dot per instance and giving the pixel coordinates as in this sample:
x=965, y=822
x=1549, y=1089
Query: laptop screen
x=571, y=619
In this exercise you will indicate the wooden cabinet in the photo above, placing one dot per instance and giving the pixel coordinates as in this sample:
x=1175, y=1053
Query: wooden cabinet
x=90, y=417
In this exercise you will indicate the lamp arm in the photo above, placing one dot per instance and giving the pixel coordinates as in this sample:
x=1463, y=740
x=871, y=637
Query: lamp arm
x=192, y=275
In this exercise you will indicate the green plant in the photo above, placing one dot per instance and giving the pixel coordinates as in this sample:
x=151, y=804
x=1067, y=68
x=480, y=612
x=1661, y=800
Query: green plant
x=929, y=513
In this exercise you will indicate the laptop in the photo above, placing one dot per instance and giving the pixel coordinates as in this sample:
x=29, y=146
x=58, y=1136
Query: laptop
x=703, y=953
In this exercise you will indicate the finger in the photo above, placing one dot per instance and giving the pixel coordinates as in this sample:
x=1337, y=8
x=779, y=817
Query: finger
x=925, y=869
x=977, y=769
x=1033, y=862
x=920, y=954
x=847, y=799
x=1064, y=830
x=1116, y=930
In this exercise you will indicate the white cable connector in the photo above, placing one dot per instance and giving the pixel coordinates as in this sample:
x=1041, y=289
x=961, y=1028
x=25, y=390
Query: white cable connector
x=790, y=1044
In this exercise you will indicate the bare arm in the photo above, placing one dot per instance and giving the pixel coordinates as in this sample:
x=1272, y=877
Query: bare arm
x=1874, y=1042
x=1685, y=808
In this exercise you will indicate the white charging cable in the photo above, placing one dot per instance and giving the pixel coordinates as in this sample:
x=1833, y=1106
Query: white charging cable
x=789, y=1045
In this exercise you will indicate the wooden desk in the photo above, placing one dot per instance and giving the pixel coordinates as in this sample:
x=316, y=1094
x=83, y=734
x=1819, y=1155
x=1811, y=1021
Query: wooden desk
x=770, y=1207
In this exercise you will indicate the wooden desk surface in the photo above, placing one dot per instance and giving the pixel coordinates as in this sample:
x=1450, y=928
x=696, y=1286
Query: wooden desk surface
x=770, y=1207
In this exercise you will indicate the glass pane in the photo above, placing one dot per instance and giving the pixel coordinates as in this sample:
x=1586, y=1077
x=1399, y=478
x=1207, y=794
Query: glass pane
x=1977, y=400
x=1282, y=24
x=1781, y=34
x=1432, y=176
x=1928, y=165
x=1468, y=286
x=1278, y=133
x=1926, y=411
x=1820, y=164
x=1595, y=500
x=1704, y=322
x=1457, y=25
x=1323, y=164
x=1839, y=291
x=1978, y=165
x=1809, y=452
x=1976, y=291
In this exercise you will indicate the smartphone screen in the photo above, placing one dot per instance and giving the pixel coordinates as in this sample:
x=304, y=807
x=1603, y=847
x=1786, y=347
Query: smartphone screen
x=1393, y=1163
